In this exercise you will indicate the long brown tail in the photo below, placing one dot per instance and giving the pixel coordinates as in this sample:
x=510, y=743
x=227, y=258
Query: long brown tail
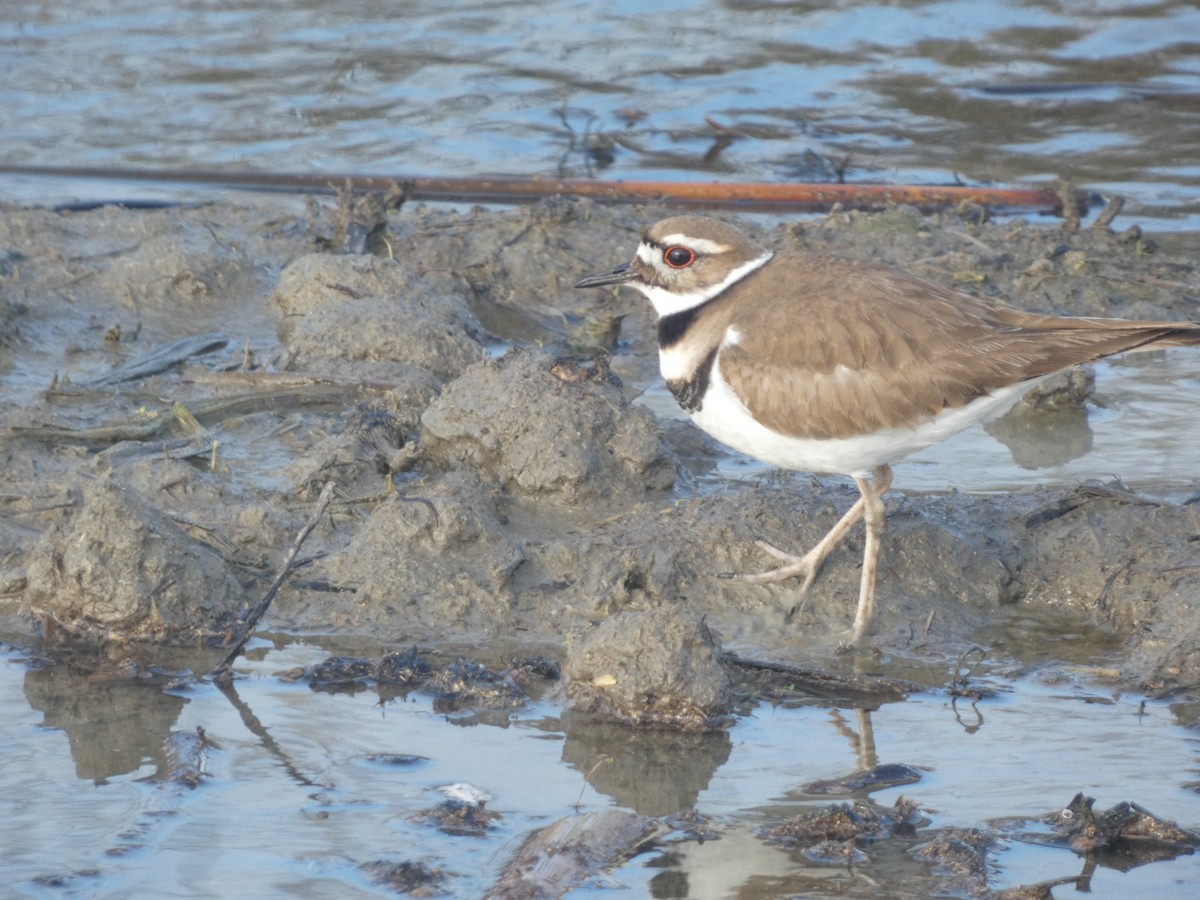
x=1051, y=343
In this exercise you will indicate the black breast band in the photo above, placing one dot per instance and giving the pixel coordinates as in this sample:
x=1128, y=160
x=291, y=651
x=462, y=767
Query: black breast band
x=690, y=392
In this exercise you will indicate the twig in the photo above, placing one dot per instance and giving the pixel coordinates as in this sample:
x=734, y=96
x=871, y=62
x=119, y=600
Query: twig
x=959, y=681
x=1111, y=210
x=161, y=359
x=587, y=779
x=223, y=673
x=824, y=683
x=1071, y=212
x=216, y=409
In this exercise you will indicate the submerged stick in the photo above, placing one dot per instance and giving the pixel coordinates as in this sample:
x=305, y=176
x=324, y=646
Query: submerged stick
x=823, y=683
x=301, y=391
x=161, y=359
x=768, y=196
x=223, y=672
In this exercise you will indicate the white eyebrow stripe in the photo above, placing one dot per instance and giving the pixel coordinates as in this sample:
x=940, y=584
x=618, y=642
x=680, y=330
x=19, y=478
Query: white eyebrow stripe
x=700, y=245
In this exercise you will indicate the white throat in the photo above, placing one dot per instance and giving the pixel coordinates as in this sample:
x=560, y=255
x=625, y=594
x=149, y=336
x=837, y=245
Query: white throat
x=668, y=302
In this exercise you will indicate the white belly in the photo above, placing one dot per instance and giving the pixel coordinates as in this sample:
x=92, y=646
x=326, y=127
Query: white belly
x=725, y=417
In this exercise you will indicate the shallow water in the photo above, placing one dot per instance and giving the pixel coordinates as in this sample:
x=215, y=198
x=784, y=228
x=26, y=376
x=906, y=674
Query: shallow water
x=293, y=802
x=909, y=91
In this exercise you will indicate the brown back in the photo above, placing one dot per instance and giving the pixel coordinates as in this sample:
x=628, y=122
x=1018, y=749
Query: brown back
x=864, y=347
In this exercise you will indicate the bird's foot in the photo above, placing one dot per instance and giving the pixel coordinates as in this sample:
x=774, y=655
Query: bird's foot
x=856, y=638
x=806, y=565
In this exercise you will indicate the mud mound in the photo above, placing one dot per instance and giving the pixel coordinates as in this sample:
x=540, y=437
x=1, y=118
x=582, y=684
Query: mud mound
x=435, y=558
x=121, y=569
x=367, y=309
x=649, y=668
x=537, y=427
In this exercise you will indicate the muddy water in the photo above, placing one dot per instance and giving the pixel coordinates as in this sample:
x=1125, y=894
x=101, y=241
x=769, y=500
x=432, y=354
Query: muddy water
x=301, y=790
x=904, y=91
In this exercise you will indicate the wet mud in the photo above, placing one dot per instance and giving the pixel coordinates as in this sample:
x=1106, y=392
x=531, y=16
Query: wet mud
x=492, y=480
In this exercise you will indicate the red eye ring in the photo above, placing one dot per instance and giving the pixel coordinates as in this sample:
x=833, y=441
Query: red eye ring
x=679, y=256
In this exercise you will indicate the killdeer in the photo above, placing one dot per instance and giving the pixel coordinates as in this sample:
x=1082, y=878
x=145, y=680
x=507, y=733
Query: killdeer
x=821, y=364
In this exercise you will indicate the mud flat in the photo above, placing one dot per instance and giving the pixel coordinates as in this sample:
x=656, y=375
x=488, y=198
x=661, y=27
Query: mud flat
x=497, y=476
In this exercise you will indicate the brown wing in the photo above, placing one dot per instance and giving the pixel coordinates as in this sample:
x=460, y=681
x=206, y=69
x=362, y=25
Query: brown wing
x=868, y=347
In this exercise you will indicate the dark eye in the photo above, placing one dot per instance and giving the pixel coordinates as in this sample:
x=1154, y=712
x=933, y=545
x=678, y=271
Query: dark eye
x=679, y=257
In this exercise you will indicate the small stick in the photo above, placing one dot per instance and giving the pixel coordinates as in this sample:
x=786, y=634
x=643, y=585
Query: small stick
x=161, y=359
x=1111, y=210
x=592, y=771
x=1071, y=212
x=223, y=674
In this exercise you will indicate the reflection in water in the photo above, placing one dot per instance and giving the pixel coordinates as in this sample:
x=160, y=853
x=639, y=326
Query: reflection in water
x=862, y=741
x=1039, y=439
x=269, y=744
x=114, y=726
x=653, y=772
x=1049, y=426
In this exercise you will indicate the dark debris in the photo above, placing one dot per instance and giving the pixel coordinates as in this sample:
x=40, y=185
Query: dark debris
x=463, y=681
x=413, y=878
x=860, y=821
x=880, y=777
x=459, y=818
